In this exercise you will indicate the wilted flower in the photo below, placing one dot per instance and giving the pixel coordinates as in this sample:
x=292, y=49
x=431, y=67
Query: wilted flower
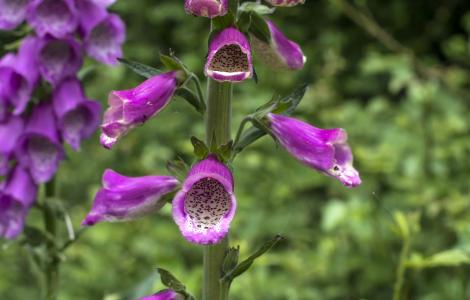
x=39, y=148
x=77, y=116
x=229, y=57
x=9, y=134
x=126, y=198
x=280, y=53
x=325, y=150
x=206, y=8
x=55, y=17
x=12, y=13
x=164, y=295
x=285, y=2
x=133, y=107
x=206, y=204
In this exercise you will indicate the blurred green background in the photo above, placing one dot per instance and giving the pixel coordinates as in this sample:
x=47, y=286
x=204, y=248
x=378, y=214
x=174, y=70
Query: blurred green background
x=394, y=74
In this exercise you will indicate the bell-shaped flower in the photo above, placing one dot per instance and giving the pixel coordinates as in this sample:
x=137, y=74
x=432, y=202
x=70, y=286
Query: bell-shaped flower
x=77, y=117
x=205, y=206
x=39, y=148
x=104, y=33
x=206, y=8
x=16, y=197
x=285, y=2
x=325, y=150
x=127, y=198
x=19, y=75
x=129, y=108
x=59, y=58
x=229, y=57
x=280, y=53
x=12, y=13
x=164, y=295
x=58, y=18
x=10, y=131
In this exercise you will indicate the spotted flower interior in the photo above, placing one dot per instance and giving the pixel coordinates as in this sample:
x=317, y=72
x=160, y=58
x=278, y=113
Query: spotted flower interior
x=230, y=59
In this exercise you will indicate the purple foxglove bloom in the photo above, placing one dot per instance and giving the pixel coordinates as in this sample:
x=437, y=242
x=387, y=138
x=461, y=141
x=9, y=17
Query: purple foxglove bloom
x=325, y=150
x=77, y=116
x=285, y=2
x=128, y=198
x=132, y=107
x=103, y=3
x=58, y=18
x=59, y=58
x=12, y=13
x=16, y=198
x=164, y=295
x=206, y=204
x=39, y=148
x=3, y=106
x=280, y=53
x=10, y=131
x=229, y=57
x=206, y=8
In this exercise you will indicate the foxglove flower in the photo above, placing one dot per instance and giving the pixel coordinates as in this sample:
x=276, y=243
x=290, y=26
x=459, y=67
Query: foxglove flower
x=325, y=150
x=59, y=58
x=9, y=134
x=229, y=57
x=103, y=3
x=77, y=116
x=164, y=295
x=206, y=8
x=39, y=148
x=127, y=198
x=129, y=108
x=285, y=2
x=55, y=17
x=206, y=204
x=12, y=13
x=3, y=106
x=280, y=53
x=16, y=197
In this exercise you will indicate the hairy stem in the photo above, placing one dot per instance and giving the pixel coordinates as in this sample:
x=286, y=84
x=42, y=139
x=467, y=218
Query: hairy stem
x=52, y=263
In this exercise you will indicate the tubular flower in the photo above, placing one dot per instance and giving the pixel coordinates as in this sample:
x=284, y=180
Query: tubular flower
x=77, y=116
x=39, y=148
x=164, y=295
x=12, y=13
x=285, y=2
x=229, y=57
x=127, y=198
x=132, y=107
x=325, y=150
x=206, y=8
x=59, y=58
x=55, y=17
x=206, y=204
x=16, y=197
x=280, y=53
x=9, y=134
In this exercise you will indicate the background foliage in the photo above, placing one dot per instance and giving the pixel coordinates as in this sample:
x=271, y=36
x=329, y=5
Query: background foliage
x=400, y=88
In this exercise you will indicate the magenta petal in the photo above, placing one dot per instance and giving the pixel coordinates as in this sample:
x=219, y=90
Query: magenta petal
x=164, y=295
x=10, y=131
x=58, y=18
x=12, y=13
x=229, y=57
x=325, y=150
x=205, y=206
x=127, y=198
x=206, y=8
x=285, y=2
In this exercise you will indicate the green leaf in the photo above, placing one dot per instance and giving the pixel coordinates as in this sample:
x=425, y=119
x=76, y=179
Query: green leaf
x=231, y=259
x=288, y=104
x=259, y=28
x=171, y=63
x=244, y=21
x=170, y=281
x=224, y=152
x=139, y=68
x=256, y=7
x=248, y=137
x=190, y=97
x=447, y=258
x=223, y=22
x=402, y=223
x=178, y=168
x=200, y=148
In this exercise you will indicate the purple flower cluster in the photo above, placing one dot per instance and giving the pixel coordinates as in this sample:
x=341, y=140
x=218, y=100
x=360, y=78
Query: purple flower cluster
x=42, y=102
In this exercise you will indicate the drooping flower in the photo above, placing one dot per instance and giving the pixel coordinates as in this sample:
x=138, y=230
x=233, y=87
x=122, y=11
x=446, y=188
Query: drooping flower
x=77, y=117
x=55, y=17
x=12, y=13
x=280, y=53
x=16, y=197
x=206, y=8
x=59, y=58
x=129, y=108
x=39, y=148
x=205, y=206
x=9, y=134
x=285, y=2
x=325, y=150
x=164, y=295
x=229, y=57
x=127, y=198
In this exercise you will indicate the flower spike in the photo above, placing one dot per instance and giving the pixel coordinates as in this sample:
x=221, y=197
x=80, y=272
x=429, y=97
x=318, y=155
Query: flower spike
x=9, y=134
x=206, y=8
x=12, y=13
x=58, y=18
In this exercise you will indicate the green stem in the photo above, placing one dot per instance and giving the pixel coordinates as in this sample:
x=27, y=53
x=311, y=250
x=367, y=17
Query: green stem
x=52, y=264
x=218, y=116
x=401, y=269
